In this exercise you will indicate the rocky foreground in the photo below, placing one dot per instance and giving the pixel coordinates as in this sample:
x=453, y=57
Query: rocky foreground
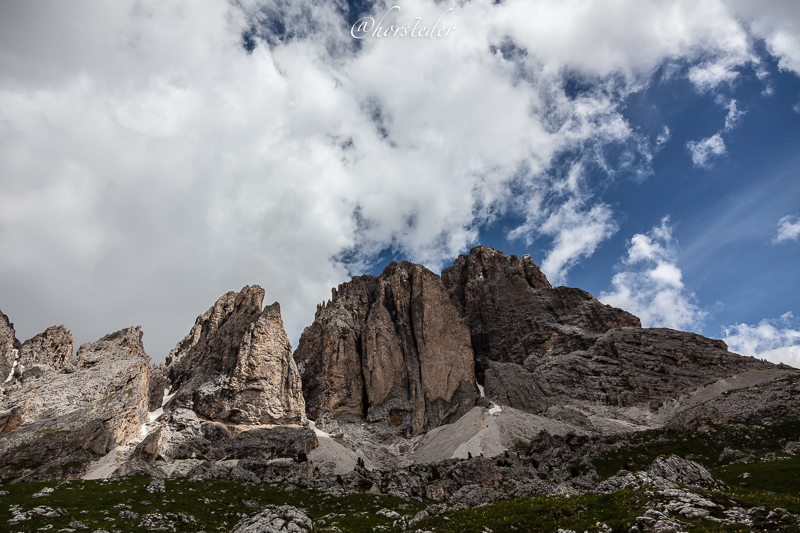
x=448, y=392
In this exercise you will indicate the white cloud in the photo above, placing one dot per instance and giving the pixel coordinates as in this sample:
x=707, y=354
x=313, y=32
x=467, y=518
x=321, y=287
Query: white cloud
x=149, y=164
x=576, y=233
x=703, y=152
x=651, y=286
x=709, y=75
x=663, y=137
x=734, y=115
x=776, y=22
x=788, y=230
x=770, y=339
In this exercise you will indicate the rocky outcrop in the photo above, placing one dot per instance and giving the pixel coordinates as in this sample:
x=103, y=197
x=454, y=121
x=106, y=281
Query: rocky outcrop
x=53, y=347
x=635, y=366
x=9, y=345
x=536, y=345
x=513, y=313
x=236, y=364
x=679, y=470
x=392, y=349
x=91, y=410
x=273, y=519
x=762, y=403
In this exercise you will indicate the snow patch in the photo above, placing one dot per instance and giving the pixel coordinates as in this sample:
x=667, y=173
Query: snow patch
x=494, y=409
x=11, y=373
x=167, y=397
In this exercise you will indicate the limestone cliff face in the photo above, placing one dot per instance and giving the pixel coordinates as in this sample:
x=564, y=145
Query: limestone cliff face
x=536, y=345
x=514, y=314
x=59, y=418
x=390, y=348
x=52, y=347
x=236, y=364
x=8, y=343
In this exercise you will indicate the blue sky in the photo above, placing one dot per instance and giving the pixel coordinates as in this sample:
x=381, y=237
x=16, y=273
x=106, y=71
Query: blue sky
x=155, y=155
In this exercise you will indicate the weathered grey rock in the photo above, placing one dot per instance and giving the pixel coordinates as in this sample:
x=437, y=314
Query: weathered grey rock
x=147, y=450
x=763, y=402
x=283, y=519
x=513, y=313
x=536, y=346
x=266, y=443
x=99, y=406
x=185, y=435
x=679, y=470
x=476, y=471
x=391, y=349
x=236, y=364
x=159, y=382
x=8, y=345
x=13, y=418
x=52, y=347
x=636, y=366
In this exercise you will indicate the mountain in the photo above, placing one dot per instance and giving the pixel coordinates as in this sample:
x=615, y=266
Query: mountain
x=399, y=370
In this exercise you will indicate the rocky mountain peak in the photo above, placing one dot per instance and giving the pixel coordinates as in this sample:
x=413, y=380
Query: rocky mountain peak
x=52, y=347
x=236, y=364
x=391, y=349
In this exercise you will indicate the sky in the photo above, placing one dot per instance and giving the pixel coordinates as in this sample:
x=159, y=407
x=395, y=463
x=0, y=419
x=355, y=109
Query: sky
x=156, y=154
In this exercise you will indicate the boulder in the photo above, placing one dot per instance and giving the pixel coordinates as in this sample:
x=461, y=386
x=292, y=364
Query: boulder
x=391, y=349
x=273, y=519
x=679, y=470
x=236, y=364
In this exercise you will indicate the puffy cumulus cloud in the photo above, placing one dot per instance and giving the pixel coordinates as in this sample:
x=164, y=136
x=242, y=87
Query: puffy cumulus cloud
x=651, y=286
x=788, y=230
x=703, y=152
x=776, y=23
x=770, y=339
x=156, y=154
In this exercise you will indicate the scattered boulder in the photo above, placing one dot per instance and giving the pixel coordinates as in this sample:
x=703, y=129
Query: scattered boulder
x=274, y=519
x=147, y=450
x=679, y=470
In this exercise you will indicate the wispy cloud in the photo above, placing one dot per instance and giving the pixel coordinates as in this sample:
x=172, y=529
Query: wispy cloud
x=650, y=284
x=576, y=233
x=771, y=339
x=734, y=115
x=788, y=230
x=703, y=152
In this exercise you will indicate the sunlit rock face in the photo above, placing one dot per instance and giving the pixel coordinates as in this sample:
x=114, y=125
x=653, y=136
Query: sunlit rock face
x=236, y=364
x=391, y=348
